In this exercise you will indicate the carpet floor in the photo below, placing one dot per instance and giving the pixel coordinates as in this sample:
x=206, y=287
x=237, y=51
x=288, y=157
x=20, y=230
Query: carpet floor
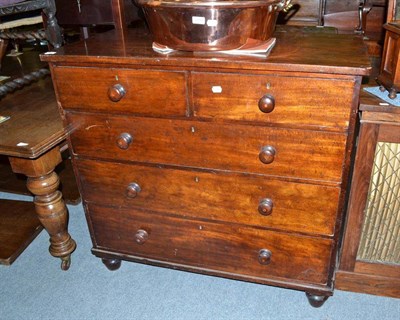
x=34, y=287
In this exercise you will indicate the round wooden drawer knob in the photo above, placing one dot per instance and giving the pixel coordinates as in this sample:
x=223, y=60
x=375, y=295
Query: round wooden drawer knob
x=124, y=141
x=265, y=207
x=132, y=190
x=141, y=236
x=116, y=92
x=266, y=103
x=264, y=256
x=267, y=154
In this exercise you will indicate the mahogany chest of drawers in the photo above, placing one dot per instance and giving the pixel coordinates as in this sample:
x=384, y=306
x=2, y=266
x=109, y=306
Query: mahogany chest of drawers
x=228, y=166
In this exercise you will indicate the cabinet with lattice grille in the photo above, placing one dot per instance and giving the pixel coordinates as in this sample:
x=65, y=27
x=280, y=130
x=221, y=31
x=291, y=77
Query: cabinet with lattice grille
x=370, y=259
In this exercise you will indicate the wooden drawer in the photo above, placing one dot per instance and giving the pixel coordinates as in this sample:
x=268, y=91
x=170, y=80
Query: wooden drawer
x=296, y=101
x=234, y=198
x=147, y=92
x=298, y=153
x=227, y=248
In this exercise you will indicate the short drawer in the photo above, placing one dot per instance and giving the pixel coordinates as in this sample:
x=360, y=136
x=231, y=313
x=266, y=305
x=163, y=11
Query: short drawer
x=221, y=247
x=264, y=150
x=290, y=101
x=145, y=92
x=240, y=199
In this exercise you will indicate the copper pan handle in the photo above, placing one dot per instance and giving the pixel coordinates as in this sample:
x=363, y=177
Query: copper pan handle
x=284, y=5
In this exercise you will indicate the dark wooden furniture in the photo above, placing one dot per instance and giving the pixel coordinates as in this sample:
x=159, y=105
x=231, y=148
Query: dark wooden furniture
x=48, y=7
x=389, y=76
x=230, y=166
x=370, y=256
x=24, y=67
x=347, y=16
x=304, y=13
x=362, y=16
x=117, y=13
x=365, y=17
x=32, y=139
x=18, y=68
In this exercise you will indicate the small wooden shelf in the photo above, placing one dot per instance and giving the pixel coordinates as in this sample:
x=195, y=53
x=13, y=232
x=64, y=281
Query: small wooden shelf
x=19, y=225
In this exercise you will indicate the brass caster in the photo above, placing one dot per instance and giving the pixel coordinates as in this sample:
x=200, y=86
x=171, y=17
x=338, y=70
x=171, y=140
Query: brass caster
x=65, y=262
x=382, y=88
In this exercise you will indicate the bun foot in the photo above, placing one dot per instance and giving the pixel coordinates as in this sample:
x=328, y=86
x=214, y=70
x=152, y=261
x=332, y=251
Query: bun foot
x=392, y=94
x=65, y=262
x=111, y=264
x=316, y=301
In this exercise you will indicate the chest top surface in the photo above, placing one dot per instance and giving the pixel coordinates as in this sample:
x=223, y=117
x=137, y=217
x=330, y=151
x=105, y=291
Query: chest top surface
x=301, y=52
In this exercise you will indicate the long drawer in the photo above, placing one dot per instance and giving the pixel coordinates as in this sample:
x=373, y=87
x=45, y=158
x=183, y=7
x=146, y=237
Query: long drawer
x=264, y=150
x=221, y=247
x=145, y=92
x=240, y=199
x=322, y=103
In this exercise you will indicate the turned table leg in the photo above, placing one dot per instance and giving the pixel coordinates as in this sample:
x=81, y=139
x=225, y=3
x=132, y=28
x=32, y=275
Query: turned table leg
x=43, y=182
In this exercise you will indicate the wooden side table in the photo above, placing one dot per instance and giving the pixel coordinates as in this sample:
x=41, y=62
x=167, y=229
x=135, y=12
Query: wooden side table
x=370, y=252
x=31, y=138
x=389, y=77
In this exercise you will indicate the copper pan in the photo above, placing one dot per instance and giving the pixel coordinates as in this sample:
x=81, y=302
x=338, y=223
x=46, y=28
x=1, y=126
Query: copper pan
x=194, y=25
